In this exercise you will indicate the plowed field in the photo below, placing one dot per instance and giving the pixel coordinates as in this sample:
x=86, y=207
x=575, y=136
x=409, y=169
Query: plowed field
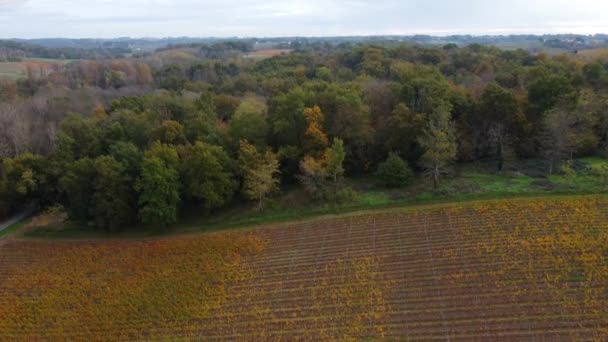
x=502, y=270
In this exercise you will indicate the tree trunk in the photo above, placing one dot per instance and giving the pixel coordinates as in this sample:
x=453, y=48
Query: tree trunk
x=500, y=156
x=335, y=189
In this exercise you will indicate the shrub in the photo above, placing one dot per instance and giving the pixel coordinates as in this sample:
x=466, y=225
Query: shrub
x=394, y=172
x=346, y=195
x=567, y=169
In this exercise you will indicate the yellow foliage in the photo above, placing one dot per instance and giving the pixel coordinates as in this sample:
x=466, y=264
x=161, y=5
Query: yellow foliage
x=315, y=139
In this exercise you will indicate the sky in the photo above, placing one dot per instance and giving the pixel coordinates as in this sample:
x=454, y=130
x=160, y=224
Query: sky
x=276, y=18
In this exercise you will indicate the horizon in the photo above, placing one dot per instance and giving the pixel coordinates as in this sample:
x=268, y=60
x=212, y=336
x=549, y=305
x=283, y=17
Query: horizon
x=109, y=19
x=481, y=35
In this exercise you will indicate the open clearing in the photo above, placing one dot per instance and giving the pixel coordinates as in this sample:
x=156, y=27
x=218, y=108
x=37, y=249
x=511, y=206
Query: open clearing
x=16, y=70
x=592, y=54
x=532, y=269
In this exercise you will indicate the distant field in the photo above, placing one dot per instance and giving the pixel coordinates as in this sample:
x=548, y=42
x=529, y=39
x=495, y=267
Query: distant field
x=531, y=269
x=182, y=55
x=16, y=70
x=592, y=54
x=12, y=70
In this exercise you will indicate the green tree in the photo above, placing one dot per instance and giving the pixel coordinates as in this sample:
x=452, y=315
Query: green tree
x=374, y=62
x=205, y=103
x=565, y=131
x=77, y=183
x=86, y=133
x=424, y=88
x=114, y=201
x=546, y=92
x=207, y=175
x=402, y=131
x=23, y=178
x=334, y=159
x=136, y=127
x=595, y=73
x=225, y=106
x=167, y=153
x=249, y=123
x=394, y=172
x=259, y=171
x=202, y=126
x=287, y=124
x=170, y=132
x=501, y=120
x=159, y=198
x=351, y=123
x=129, y=155
x=439, y=144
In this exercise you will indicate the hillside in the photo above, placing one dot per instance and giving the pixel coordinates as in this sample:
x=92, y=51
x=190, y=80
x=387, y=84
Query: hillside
x=510, y=269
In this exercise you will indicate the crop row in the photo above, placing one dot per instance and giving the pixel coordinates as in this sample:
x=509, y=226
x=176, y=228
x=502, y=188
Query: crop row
x=531, y=269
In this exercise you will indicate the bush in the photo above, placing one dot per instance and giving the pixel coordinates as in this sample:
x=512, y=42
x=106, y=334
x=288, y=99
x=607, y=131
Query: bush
x=567, y=169
x=600, y=171
x=346, y=195
x=394, y=172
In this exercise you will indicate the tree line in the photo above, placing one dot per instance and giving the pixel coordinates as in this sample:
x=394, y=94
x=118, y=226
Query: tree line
x=205, y=132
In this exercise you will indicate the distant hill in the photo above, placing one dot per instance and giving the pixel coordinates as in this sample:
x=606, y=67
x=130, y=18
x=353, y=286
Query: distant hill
x=126, y=45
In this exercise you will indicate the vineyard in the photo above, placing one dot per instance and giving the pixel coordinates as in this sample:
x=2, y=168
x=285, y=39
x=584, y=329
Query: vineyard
x=503, y=270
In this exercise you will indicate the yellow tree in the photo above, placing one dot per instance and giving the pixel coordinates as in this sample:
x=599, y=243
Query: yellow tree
x=315, y=140
x=259, y=171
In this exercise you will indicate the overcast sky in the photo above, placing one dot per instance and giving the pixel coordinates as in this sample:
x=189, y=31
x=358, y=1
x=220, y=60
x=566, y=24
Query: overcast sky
x=248, y=18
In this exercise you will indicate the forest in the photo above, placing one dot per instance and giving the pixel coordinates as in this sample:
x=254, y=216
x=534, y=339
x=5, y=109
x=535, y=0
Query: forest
x=121, y=141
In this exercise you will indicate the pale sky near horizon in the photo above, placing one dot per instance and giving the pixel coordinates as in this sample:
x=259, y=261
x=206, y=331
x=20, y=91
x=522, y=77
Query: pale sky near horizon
x=275, y=18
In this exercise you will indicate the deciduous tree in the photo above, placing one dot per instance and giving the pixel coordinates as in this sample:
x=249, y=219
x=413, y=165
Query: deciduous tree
x=114, y=200
x=208, y=177
x=315, y=140
x=259, y=171
x=78, y=185
x=439, y=144
x=394, y=172
x=159, y=198
x=249, y=123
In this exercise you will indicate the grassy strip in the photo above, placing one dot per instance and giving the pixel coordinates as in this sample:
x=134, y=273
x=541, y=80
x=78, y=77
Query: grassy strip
x=228, y=220
x=14, y=227
x=301, y=214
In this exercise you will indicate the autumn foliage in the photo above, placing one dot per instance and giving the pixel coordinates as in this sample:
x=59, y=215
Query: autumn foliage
x=498, y=270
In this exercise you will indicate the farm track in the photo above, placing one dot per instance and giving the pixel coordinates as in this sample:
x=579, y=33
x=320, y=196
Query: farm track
x=512, y=270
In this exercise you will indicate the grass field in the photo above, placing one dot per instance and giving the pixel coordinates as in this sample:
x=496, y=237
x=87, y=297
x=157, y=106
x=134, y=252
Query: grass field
x=592, y=54
x=16, y=70
x=531, y=269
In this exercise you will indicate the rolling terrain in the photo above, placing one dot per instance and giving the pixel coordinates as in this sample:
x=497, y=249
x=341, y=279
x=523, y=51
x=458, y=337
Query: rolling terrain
x=533, y=269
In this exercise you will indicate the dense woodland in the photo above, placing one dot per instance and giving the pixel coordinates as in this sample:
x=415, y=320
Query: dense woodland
x=126, y=141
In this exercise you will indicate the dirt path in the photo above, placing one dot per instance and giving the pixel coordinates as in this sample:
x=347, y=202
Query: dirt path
x=18, y=217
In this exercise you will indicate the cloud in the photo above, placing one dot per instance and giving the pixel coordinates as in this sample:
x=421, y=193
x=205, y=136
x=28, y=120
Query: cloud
x=161, y=18
x=7, y=3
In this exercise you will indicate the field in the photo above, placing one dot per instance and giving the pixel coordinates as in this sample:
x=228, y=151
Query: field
x=532, y=269
x=16, y=70
x=592, y=54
